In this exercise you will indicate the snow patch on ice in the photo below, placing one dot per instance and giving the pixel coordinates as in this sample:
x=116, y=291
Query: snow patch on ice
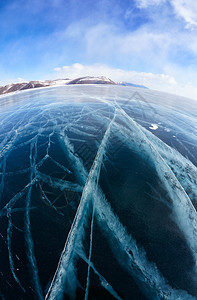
x=153, y=127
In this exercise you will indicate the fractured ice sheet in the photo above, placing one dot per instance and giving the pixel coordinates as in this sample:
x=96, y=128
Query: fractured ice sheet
x=93, y=204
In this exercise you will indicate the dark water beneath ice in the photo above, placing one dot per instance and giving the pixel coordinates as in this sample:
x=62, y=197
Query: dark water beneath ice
x=98, y=195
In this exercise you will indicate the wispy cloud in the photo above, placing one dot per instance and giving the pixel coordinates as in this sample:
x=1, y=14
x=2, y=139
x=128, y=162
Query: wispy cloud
x=147, y=3
x=162, y=82
x=186, y=9
x=150, y=47
x=77, y=70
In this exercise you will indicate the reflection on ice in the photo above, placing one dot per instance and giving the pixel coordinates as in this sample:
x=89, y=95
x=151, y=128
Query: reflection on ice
x=57, y=158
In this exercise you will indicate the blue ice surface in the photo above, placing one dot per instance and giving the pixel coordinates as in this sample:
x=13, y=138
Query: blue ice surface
x=95, y=200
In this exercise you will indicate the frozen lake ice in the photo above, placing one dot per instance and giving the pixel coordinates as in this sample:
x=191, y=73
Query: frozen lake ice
x=98, y=194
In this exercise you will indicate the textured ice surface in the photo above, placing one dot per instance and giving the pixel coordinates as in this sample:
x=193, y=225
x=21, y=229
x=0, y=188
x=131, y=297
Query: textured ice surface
x=94, y=202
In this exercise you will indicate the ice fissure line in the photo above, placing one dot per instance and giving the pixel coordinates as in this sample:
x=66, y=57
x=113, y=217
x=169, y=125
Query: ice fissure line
x=11, y=261
x=77, y=229
x=181, y=203
x=28, y=235
x=103, y=281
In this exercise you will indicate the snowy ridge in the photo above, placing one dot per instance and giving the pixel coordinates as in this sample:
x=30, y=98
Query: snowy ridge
x=57, y=82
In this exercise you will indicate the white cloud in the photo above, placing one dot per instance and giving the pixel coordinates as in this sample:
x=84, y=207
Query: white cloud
x=110, y=44
x=151, y=45
x=146, y=3
x=160, y=82
x=12, y=80
x=106, y=39
x=187, y=9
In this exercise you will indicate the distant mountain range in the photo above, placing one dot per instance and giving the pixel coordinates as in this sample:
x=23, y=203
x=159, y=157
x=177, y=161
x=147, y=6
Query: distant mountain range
x=13, y=87
x=132, y=84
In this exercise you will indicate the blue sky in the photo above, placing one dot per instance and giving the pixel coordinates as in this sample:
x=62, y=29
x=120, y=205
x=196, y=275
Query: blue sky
x=151, y=42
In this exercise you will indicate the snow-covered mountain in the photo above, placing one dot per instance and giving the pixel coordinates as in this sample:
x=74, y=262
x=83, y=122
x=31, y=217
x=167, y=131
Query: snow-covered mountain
x=92, y=80
x=13, y=87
